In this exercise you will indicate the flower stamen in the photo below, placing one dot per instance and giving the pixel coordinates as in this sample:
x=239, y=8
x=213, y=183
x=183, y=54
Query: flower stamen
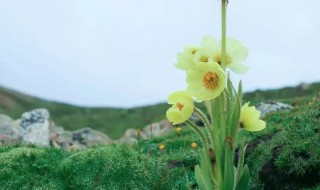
x=180, y=106
x=210, y=80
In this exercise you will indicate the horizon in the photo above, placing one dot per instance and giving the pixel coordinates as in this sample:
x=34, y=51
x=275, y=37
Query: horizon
x=102, y=53
x=156, y=103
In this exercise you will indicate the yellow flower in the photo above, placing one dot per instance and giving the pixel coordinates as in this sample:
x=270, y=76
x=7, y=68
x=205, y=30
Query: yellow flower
x=249, y=118
x=236, y=53
x=73, y=147
x=182, y=107
x=185, y=59
x=206, y=81
x=161, y=147
x=194, y=145
x=178, y=129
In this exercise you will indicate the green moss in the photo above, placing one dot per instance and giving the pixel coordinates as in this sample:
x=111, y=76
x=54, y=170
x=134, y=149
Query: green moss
x=117, y=166
x=30, y=168
x=289, y=160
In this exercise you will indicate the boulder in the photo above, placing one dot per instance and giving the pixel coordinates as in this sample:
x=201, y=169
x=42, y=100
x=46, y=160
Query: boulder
x=34, y=127
x=158, y=129
x=8, y=131
x=86, y=136
x=6, y=125
x=271, y=106
x=60, y=138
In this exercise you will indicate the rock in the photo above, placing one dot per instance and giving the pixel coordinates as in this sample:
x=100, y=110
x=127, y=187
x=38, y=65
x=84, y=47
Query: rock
x=87, y=136
x=34, y=127
x=8, y=132
x=60, y=138
x=5, y=125
x=158, y=129
x=270, y=106
x=305, y=86
x=133, y=133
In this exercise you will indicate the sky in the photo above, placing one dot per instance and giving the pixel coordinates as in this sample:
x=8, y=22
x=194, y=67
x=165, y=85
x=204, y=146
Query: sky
x=121, y=53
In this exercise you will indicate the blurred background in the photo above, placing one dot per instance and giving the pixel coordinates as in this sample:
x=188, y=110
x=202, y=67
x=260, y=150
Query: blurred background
x=121, y=54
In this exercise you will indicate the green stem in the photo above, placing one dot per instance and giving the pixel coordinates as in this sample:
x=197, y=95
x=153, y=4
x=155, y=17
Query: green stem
x=206, y=122
x=223, y=32
x=202, y=137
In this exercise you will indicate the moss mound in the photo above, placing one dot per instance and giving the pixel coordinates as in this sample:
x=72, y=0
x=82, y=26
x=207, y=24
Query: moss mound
x=30, y=168
x=289, y=160
x=117, y=166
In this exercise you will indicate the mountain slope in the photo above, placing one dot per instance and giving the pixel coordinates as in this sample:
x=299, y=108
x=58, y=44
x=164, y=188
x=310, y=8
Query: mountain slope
x=114, y=121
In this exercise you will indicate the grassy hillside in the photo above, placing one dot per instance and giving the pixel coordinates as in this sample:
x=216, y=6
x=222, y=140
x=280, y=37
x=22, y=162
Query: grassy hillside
x=285, y=155
x=114, y=121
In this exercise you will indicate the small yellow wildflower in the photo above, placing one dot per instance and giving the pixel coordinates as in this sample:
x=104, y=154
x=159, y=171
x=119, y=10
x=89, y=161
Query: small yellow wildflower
x=178, y=129
x=73, y=147
x=161, y=147
x=194, y=145
x=182, y=107
x=236, y=53
x=206, y=81
x=185, y=59
x=249, y=118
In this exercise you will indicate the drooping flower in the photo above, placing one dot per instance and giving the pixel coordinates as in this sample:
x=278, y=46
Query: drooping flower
x=182, y=107
x=194, y=145
x=236, y=53
x=185, y=58
x=250, y=118
x=206, y=81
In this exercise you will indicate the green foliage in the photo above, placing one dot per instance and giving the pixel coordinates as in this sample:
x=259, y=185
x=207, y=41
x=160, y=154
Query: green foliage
x=290, y=158
x=117, y=166
x=30, y=168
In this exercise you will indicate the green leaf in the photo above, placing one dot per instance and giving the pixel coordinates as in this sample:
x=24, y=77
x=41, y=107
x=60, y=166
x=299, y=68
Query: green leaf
x=228, y=167
x=243, y=183
x=203, y=180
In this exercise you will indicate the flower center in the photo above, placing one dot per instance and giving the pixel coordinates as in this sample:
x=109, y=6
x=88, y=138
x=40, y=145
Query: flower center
x=180, y=106
x=210, y=80
x=204, y=59
x=217, y=58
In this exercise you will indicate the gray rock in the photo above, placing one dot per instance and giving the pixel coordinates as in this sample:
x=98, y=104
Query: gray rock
x=158, y=129
x=6, y=125
x=268, y=107
x=34, y=127
x=8, y=131
x=87, y=136
x=133, y=134
x=60, y=138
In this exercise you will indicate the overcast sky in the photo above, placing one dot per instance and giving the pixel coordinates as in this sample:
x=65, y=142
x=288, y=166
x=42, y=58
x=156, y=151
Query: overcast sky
x=122, y=53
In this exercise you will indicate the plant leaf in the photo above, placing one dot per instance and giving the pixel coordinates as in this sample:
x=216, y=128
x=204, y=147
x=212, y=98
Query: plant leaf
x=243, y=183
x=203, y=180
